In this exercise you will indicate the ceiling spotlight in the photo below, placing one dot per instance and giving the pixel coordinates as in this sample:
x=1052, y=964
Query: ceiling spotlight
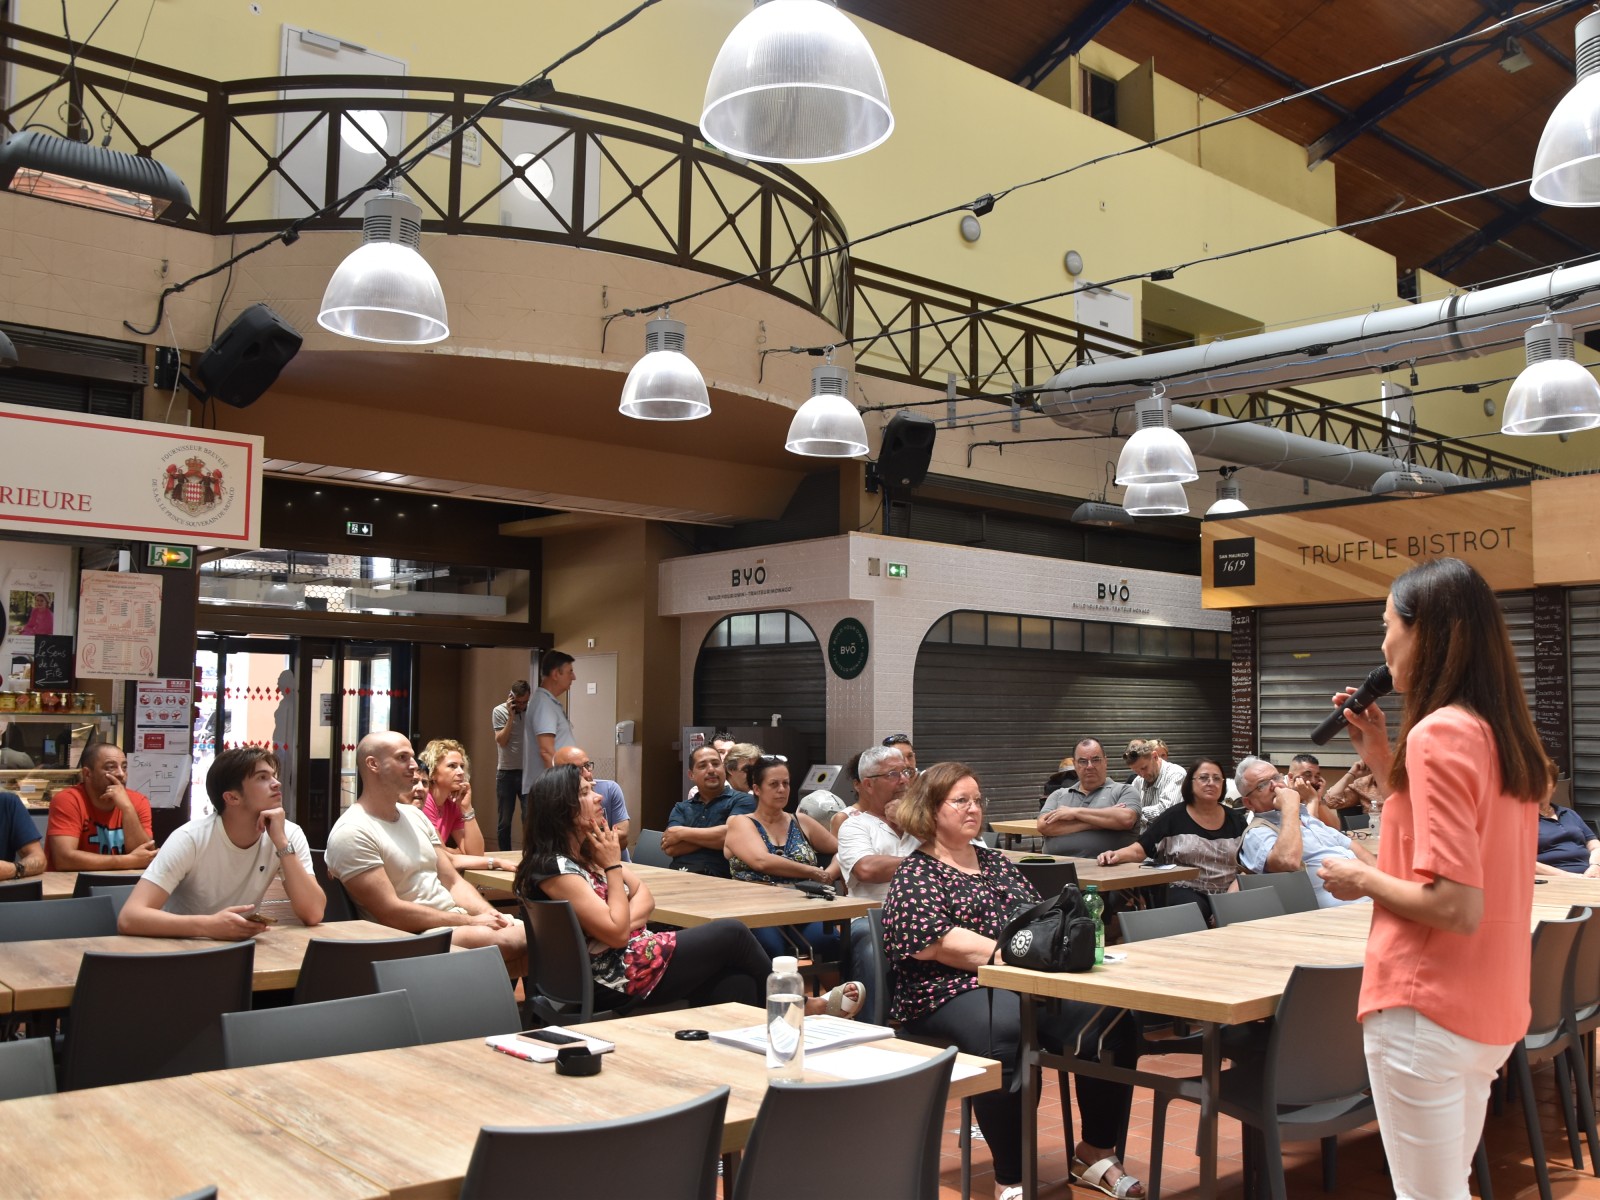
x=1554, y=394
x=41, y=164
x=1514, y=58
x=1566, y=168
x=1155, y=453
x=796, y=82
x=384, y=290
x=1406, y=482
x=1155, y=500
x=1098, y=512
x=828, y=425
x=664, y=385
x=1229, y=500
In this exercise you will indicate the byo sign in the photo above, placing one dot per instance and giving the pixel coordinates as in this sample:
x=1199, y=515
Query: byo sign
x=1115, y=591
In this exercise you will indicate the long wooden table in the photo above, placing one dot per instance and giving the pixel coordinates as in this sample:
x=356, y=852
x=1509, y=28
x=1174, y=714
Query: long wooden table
x=42, y=975
x=1010, y=831
x=363, y=1109
x=59, y=885
x=1113, y=879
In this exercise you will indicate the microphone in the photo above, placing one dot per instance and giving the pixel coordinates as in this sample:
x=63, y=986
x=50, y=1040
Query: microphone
x=1378, y=683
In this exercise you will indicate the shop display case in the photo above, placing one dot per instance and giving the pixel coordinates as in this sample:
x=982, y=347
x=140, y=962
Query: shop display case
x=39, y=750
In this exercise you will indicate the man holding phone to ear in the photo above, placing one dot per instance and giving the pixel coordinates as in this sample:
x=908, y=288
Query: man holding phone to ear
x=507, y=722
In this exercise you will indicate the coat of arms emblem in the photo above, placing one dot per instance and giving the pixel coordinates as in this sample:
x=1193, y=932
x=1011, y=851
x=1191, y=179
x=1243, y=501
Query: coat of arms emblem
x=194, y=489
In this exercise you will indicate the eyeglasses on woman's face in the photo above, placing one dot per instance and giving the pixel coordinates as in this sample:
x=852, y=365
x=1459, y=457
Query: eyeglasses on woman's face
x=961, y=802
x=1209, y=779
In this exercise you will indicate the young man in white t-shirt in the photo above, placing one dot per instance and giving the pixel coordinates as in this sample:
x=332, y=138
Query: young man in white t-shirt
x=208, y=879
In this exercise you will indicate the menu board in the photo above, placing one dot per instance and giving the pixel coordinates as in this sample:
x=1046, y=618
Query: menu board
x=1243, y=703
x=52, y=662
x=1551, y=704
x=119, y=625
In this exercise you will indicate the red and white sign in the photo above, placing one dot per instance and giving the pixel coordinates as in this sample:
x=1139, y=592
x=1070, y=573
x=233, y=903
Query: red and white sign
x=163, y=714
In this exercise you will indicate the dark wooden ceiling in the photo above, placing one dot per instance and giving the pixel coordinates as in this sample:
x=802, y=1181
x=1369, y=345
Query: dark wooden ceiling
x=1448, y=125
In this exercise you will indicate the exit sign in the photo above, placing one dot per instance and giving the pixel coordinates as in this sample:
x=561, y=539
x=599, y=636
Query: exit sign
x=179, y=558
x=358, y=528
x=898, y=570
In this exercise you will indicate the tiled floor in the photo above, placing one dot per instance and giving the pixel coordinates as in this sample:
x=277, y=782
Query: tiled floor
x=1360, y=1169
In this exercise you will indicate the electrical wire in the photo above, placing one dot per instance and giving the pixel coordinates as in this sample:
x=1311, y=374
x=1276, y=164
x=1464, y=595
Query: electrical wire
x=71, y=66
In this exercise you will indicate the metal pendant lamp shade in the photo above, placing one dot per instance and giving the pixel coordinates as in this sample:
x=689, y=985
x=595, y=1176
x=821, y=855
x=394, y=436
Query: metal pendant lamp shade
x=385, y=291
x=1406, y=482
x=1155, y=500
x=1229, y=500
x=1155, y=453
x=1566, y=167
x=796, y=82
x=1554, y=394
x=828, y=425
x=665, y=385
x=40, y=164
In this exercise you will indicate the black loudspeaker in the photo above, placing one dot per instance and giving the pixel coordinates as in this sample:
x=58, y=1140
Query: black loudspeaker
x=907, y=449
x=244, y=361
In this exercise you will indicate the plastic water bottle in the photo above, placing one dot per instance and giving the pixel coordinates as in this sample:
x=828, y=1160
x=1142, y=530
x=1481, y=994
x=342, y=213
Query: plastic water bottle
x=1095, y=905
x=786, y=1012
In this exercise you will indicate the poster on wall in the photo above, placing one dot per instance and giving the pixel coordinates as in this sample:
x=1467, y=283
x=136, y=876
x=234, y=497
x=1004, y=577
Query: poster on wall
x=31, y=597
x=163, y=714
x=119, y=625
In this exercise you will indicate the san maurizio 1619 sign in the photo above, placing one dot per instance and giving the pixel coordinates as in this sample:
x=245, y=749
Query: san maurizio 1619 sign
x=1334, y=553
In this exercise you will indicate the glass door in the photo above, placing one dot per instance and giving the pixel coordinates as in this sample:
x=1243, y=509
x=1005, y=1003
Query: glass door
x=248, y=697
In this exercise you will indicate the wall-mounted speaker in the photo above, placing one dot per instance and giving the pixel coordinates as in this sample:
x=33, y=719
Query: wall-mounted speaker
x=246, y=359
x=907, y=449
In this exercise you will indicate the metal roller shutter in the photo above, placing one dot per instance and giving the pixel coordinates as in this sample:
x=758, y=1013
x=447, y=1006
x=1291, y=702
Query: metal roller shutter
x=1013, y=714
x=1583, y=608
x=745, y=685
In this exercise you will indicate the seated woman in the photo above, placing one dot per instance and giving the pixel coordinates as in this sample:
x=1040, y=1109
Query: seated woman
x=569, y=853
x=948, y=903
x=1200, y=832
x=736, y=764
x=448, y=804
x=771, y=846
x=1567, y=844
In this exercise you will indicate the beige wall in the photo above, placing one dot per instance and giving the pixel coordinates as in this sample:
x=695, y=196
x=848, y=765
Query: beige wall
x=483, y=677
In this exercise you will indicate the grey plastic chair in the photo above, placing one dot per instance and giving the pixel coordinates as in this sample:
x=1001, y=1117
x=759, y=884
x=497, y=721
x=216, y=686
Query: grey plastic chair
x=1049, y=878
x=47, y=920
x=1311, y=1082
x=1294, y=888
x=333, y=970
x=560, y=980
x=381, y=1021
x=900, y=1159
x=174, y=1001
x=21, y=889
x=117, y=895
x=461, y=995
x=679, y=1146
x=26, y=1069
x=88, y=880
x=1232, y=908
x=1584, y=1012
x=647, y=850
x=339, y=907
x=1143, y=924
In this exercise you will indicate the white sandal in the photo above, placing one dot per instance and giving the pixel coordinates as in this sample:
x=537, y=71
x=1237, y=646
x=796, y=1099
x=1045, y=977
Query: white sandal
x=1014, y=1192
x=1094, y=1176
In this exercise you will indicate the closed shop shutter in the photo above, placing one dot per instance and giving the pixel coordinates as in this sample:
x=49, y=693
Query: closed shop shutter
x=1583, y=607
x=745, y=685
x=1012, y=714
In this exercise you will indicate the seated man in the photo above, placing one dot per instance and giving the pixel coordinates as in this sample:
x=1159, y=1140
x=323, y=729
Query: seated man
x=1282, y=835
x=389, y=858
x=98, y=824
x=697, y=826
x=871, y=846
x=21, y=848
x=1156, y=782
x=212, y=873
x=1305, y=777
x=1093, y=815
x=613, y=804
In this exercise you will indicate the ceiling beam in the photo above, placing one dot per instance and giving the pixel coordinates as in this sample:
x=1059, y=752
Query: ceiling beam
x=1500, y=9
x=1481, y=239
x=1094, y=17
x=1444, y=169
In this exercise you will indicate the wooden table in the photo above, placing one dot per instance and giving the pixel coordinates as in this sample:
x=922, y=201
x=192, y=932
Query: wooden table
x=156, y=1140
x=363, y=1109
x=58, y=885
x=1010, y=831
x=42, y=975
x=1117, y=878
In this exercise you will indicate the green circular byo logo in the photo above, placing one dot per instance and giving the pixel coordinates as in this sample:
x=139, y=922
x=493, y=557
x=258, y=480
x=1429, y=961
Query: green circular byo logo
x=847, y=648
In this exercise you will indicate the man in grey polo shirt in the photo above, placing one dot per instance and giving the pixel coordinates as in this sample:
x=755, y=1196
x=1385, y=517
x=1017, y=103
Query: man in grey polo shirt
x=1095, y=814
x=547, y=727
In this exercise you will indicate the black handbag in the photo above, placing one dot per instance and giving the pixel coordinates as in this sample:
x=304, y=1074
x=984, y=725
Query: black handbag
x=1054, y=935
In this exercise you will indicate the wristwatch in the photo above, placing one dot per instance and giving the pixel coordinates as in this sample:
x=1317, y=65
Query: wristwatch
x=285, y=852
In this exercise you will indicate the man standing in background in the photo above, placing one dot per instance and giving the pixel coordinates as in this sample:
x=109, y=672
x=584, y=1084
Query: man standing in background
x=548, y=729
x=507, y=722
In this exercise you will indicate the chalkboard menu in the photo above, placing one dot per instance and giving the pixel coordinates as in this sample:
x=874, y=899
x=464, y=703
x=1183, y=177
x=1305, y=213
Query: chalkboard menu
x=1243, y=701
x=1551, y=704
x=52, y=663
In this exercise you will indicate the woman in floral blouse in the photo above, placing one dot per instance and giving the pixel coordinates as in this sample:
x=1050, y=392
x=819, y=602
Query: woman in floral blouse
x=948, y=903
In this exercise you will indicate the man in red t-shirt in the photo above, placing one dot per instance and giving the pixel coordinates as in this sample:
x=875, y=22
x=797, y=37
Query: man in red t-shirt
x=98, y=824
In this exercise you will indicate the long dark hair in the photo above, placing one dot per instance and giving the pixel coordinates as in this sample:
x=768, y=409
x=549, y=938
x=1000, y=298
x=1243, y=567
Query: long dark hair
x=1461, y=654
x=549, y=821
x=1187, y=789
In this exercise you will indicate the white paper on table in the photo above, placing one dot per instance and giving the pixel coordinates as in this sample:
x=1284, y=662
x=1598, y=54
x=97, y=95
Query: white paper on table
x=869, y=1062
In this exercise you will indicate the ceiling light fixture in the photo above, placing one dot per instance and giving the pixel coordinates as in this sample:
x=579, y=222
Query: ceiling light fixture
x=1566, y=167
x=1513, y=57
x=665, y=385
x=1406, y=482
x=1553, y=394
x=35, y=163
x=1099, y=512
x=1230, y=498
x=384, y=290
x=1155, y=453
x=796, y=82
x=828, y=425
x=1155, y=500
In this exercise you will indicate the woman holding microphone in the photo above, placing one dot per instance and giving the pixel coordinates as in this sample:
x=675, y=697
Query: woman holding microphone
x=1452, y=889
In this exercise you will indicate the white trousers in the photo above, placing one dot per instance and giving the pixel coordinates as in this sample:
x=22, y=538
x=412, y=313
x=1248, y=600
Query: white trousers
x=1431, y=1088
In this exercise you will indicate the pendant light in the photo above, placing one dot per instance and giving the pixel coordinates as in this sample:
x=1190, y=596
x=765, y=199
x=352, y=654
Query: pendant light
x=1155, y=500
x=665, y=385
x=1229, y=497
x=1554, y=394
x=796, y=82
x=1566, y=167
x=384, y=290
x=1155, y=453
x=828, y=425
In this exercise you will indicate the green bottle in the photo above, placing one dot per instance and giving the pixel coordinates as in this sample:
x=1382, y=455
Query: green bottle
x=1095, y=905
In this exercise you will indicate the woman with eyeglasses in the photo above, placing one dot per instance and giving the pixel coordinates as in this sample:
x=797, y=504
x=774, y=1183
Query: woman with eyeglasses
x=942, y=919
x=1201, y=832
x=1444, y=993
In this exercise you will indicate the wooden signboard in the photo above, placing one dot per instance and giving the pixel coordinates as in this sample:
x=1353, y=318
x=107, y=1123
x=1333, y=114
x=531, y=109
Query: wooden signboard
x=1552, y=703
x=1564, y=511
x=1339, y=553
